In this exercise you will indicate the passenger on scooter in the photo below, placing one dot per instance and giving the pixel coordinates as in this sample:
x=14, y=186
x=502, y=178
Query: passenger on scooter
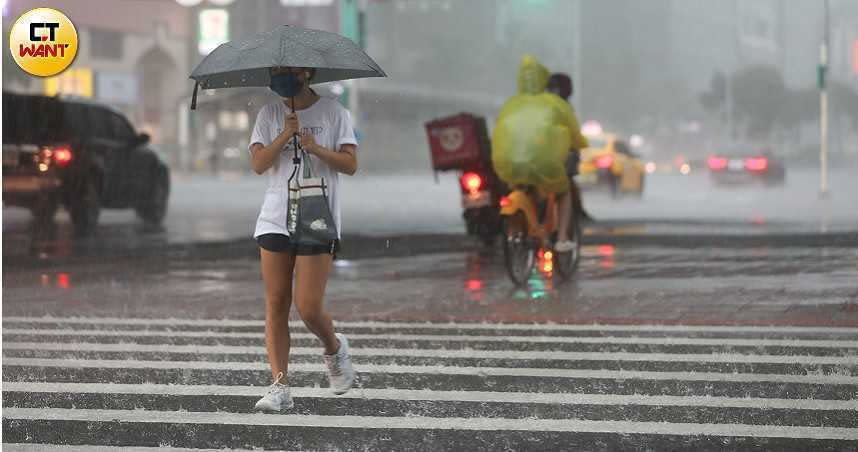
x=534, y=134
x=560, y=84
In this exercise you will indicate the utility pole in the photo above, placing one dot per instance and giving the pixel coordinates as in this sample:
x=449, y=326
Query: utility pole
x=577, y=46
x=823, y=109
x=352, y=26
x=737, y=67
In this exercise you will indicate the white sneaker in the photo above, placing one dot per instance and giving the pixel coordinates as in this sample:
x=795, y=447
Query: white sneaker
x=277, y=399
x=341, y=375
x=564, y=246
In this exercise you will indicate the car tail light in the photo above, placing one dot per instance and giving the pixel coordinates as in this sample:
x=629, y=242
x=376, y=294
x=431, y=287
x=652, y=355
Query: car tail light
x=504, y=201
x=62, y=156
x=472, y=182
x=717, y=163
x=756, y=164
x=605, y=161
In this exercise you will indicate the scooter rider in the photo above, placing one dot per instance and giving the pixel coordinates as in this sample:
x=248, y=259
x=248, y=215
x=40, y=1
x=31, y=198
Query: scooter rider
x=534, y=133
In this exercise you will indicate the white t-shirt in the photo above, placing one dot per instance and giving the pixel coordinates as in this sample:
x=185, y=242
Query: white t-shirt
x=331, y=126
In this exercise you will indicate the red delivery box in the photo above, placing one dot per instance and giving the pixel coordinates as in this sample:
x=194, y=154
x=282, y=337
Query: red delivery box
x=457, y=142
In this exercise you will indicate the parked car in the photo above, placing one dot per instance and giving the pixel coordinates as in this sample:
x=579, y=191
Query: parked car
x=82, y=156
x=610, y=163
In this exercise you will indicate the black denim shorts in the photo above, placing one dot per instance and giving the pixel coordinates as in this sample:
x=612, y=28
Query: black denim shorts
x=280, y=243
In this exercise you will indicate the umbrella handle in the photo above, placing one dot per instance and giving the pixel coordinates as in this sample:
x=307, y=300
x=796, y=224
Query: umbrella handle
x=295, y=159
x=194, y=97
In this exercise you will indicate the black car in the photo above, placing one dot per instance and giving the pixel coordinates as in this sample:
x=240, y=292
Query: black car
x=80, y=155
x=746, y=165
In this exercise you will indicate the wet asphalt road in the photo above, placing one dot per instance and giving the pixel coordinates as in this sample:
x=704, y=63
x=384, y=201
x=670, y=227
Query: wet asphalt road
x=678, y=333
x=218, y=210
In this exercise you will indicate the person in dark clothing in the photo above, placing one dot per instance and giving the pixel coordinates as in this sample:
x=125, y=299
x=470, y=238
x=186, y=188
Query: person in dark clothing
x=561, y=84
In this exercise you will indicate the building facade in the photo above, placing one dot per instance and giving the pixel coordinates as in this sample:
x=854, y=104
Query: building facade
x=132, y=56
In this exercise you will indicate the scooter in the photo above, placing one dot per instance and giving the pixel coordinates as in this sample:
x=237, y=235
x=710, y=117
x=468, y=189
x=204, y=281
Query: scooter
x=529, y=225
x=461, y=143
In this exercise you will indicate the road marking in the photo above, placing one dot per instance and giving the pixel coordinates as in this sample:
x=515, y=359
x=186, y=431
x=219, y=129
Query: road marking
x=454, y=326
x=442, y=370
x=88, y=448
x=430, y=423
x=441, y=396
x=463, y=338
x=445, y=353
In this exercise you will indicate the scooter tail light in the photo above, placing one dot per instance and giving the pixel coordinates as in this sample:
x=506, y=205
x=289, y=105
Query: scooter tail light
x=472, y=182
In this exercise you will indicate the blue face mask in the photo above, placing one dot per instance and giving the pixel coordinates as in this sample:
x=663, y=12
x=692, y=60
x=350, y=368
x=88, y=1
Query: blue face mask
x=286, y=85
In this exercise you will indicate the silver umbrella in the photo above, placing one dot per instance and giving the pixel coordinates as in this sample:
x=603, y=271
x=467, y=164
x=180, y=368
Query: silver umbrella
x=247, y=62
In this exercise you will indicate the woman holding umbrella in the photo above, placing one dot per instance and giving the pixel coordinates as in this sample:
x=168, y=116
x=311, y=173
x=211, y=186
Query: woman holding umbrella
x=299, y=133
x=327, y=136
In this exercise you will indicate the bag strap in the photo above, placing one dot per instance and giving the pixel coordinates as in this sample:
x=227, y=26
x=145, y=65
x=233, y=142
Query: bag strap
x=308, y=170
x=304, y=159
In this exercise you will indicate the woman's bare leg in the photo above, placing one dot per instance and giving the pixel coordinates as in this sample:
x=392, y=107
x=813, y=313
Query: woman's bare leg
x=277, y=271
x=311, y=278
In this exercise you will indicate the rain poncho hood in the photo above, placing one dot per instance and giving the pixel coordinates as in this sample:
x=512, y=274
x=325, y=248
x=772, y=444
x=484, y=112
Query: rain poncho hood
x=532, y=76
x=534, y=133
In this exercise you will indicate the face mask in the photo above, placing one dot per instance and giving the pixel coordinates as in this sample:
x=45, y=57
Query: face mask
x=286, y=85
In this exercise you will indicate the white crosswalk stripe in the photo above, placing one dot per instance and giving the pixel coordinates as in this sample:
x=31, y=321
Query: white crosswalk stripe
x=189, y=384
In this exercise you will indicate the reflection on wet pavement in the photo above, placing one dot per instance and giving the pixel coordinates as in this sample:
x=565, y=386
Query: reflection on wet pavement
x=613, y=284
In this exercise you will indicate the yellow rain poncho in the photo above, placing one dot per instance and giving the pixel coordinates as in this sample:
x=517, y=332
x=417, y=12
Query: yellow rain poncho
x=534, y=133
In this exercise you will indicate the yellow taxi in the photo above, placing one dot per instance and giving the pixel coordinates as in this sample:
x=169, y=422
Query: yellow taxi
x=609, y=162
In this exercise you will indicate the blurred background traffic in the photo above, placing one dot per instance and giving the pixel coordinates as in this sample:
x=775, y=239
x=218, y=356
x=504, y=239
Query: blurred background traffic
x=695, y=109
x=679, y=80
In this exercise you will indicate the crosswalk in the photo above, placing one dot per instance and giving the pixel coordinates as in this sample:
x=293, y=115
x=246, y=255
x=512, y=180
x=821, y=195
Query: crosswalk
x=111, y=384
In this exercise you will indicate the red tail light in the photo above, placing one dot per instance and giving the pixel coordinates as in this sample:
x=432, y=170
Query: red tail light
x=605, y=161
x=756, y=164
x=62, y=156
x=504, y=201
x=472, y=182
x=717, y=163
x=606, y=250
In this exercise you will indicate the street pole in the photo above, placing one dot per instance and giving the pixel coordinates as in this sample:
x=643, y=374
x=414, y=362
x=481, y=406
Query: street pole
x=737, y=66
x=823, y=110
x=352, y=26
x=577, y=58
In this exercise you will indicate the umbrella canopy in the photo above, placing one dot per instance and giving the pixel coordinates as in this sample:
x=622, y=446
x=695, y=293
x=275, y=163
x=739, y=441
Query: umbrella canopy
x=247, y=62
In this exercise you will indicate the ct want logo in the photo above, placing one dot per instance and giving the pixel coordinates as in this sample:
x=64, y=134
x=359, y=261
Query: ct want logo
x=43, y=42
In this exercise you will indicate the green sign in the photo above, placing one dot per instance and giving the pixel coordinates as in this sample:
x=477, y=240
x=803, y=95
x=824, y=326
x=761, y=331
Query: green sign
x=352, y=27
x=820, y=76
x=214, y=29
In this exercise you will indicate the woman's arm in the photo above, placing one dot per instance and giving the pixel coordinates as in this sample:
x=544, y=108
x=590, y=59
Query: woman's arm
x=344, y=161
x=263, y=157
